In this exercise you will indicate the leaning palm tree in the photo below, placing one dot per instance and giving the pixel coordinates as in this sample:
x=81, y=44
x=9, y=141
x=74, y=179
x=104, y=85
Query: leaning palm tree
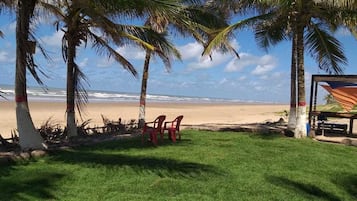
x=193, y=20
x=159, y=25
x=83, y=21
x=309, y=24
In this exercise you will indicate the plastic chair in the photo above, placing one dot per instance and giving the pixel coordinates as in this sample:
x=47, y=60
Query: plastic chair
x=153, y=128
x=173, y=128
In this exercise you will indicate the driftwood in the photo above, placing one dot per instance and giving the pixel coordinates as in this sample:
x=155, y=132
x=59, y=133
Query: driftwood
x=53, y=133
x=9, y=143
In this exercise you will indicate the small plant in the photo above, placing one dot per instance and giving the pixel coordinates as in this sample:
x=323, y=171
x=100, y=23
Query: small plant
x=81, y=129
x=51, y=131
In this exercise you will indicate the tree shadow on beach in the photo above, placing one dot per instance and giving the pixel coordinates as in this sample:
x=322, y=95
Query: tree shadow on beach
x=163, y=167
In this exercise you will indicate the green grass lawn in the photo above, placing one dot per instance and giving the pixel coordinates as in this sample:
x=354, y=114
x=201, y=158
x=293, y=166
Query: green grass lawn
x=202, y=166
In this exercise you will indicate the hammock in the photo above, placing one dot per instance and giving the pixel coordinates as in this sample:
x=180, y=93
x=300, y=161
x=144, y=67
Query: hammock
x=344, y=93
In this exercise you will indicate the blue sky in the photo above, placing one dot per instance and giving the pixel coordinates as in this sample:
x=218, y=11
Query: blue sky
x=258, y=75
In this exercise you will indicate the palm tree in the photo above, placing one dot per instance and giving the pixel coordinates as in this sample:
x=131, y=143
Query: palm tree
x=193, y=20
x=28, y=135
x=159, y=25
x=170, y=49
x=82, y=21
x=329, y=99
x=308, y=23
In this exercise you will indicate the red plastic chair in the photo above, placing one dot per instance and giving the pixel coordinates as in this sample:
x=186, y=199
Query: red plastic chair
x=153, y=128
x=173, y=128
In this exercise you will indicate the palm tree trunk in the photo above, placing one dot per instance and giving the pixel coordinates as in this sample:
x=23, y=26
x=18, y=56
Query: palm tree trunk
x=29, y=137
x=71, y=119
x=300, y=130
x=143, y=89
x=292, y=114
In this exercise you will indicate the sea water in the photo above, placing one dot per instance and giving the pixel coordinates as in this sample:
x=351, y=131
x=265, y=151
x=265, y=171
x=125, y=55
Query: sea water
x=59, y=95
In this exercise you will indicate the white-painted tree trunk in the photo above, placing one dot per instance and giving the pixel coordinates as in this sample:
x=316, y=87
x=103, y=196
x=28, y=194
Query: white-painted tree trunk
x=300, y=130
x=292, y=119
x=29, y=137
x=71, y=125
x=141, y=115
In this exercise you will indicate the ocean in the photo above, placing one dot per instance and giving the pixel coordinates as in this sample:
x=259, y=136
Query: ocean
x=59, y=95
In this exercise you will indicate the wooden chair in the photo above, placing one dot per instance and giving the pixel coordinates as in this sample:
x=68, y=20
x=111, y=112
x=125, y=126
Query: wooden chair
x=153, y=128
x=173, y=128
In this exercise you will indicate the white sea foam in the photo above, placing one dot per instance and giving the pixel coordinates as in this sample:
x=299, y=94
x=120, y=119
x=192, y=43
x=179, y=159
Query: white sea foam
x=53, y=94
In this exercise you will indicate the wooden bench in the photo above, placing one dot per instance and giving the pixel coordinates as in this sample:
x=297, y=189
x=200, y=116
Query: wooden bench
x=332, y=128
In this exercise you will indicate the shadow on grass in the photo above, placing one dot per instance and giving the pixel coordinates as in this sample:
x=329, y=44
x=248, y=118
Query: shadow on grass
x=133, y=143
x=6, y=169
x=140, y=164
x=30, y=187
x=267, y=136
x=260, y=132
x=348, y=182
x=307, y=190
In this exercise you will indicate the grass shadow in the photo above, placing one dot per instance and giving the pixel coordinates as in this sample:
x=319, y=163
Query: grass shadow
x=131, y=143
x=309, y=191
x=140, y=164
x=6, y=168
x=258, y=131
x=267, y=136
x=348, y=183
x=30, y=187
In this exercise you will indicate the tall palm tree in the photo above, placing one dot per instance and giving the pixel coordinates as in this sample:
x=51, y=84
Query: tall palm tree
x=28, y=135
x=159, y=25
x=194, y=20
x=310, y=23
x=82, y=21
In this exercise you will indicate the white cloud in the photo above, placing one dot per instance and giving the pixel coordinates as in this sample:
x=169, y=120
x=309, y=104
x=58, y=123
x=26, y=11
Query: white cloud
x=83, y=63
x=223, y=81
x=105, y=62
x=193, y=51
x=128, y=52
x=206, y=62
x=238, y=64
x=263, y=64
x=262, y=69
x=131, y=52
x=258, y=88
x=343, y=32
x=11, y=28
x=242, y=78
x=54, y=40
x=4, y=56
x=190, y=51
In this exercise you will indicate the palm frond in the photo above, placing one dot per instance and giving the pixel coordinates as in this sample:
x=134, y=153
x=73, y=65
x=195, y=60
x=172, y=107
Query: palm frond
x=221, y=36
x=139, y=8
x=326, y=49
x=7, y=5
x=80, y=90
x=163, y=48
x=1, y=95
x=270, y=32
x=103, y=46
x=350, y=4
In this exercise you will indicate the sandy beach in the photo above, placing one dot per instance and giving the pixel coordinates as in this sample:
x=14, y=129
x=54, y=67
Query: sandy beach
x=194, y=113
